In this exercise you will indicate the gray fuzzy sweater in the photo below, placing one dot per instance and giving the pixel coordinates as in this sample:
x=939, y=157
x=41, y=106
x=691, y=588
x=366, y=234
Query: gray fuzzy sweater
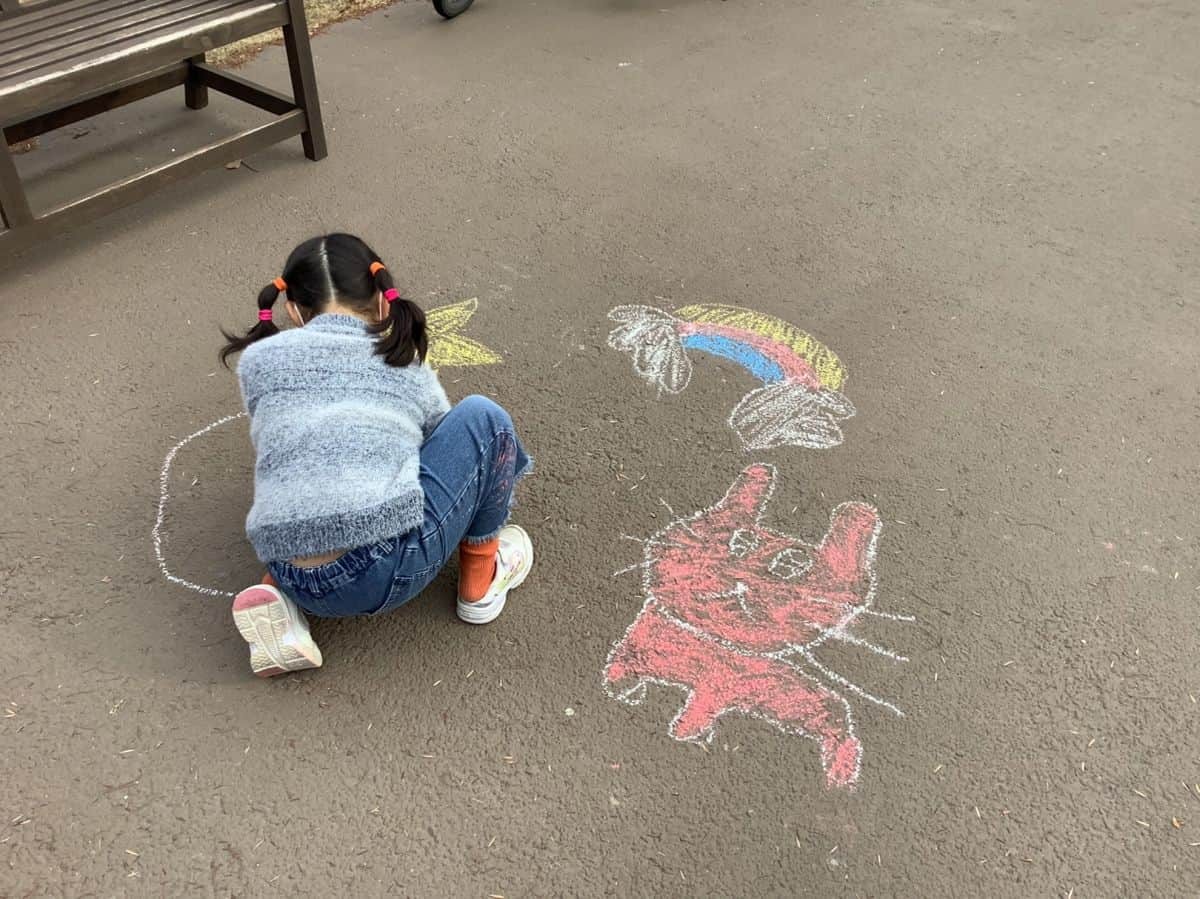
x=338, y=433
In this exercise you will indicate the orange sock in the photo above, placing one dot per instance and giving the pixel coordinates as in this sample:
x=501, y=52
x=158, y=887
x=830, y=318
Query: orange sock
x=476, y=568
x=268, y=580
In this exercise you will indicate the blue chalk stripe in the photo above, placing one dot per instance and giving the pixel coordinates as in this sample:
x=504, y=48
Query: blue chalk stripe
x=759, y=365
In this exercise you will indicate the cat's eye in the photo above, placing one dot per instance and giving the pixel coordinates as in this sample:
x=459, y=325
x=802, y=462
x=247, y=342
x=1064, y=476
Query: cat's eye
x=789, y=563
x=742, y=542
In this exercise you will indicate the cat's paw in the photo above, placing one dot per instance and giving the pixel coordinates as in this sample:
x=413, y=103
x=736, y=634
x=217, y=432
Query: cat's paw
x=841, y=759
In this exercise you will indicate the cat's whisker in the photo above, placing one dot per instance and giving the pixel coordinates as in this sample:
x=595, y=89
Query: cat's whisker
x=650, y=541
x=839, y=632
x=666, y=505
x=825, y=601
x=850, y=685
x=890, y=616
x=635, y=567
x=860, y=610
x=865, y=644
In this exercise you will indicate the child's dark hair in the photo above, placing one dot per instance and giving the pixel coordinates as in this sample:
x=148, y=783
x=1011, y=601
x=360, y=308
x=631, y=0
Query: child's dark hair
x=340, y=267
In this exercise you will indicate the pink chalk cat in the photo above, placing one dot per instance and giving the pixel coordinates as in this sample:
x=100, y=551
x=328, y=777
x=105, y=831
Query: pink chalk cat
x=730, y=606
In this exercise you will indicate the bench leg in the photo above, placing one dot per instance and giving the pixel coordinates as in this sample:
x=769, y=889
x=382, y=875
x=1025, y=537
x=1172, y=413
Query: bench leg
x=304, y=79
x=194, y=92
x=14, y=207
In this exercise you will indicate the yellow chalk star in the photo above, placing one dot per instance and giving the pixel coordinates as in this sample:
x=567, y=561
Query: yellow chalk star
x=448, y=347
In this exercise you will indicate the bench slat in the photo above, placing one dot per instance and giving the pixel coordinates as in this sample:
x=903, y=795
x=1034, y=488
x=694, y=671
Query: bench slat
x=62, y=43
x=112, y=96
x=75, y=58
x=63, y=14
x=48, y=86
x=32, y=14
x=18, y=34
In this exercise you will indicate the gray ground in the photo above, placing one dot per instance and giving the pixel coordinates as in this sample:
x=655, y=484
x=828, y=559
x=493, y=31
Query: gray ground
x=988, y=210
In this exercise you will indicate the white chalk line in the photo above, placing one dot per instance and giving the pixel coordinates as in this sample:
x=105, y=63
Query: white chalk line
x=890, y=616
x=844, y=637
x=164, y=496
x=848, y=684
x=634, y=567
x=839, y=632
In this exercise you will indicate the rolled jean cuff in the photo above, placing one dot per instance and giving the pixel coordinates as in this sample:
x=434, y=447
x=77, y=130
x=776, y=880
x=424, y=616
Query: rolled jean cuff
x=475, y=541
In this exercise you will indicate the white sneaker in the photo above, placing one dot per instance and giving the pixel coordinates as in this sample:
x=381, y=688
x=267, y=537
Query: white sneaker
x=276, y=631
x=514, y=558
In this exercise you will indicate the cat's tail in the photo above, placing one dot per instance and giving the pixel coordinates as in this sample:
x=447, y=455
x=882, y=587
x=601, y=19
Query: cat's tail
x=651, y=337
x=790, y=414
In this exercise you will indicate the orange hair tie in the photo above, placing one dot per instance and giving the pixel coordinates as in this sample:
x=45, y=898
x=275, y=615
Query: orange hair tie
x=376, y=268
x=280, y=284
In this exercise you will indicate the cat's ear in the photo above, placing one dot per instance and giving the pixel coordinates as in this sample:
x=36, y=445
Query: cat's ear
x=846, y=554
x=748, y=496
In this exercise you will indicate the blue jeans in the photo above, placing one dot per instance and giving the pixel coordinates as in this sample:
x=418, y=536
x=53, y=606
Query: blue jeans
x=469, y=467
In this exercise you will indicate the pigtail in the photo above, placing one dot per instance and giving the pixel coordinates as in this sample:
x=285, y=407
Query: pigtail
x=265, y=327
x=401, y=337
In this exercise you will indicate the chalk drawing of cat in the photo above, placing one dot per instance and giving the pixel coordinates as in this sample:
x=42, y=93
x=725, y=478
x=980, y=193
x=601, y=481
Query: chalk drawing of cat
x=734, y=612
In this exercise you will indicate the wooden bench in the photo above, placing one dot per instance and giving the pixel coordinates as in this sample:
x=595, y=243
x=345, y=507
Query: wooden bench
x=64, y=60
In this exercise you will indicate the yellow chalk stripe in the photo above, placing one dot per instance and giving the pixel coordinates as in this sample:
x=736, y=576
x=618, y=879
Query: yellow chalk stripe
x=824, y=361
x=447, y=347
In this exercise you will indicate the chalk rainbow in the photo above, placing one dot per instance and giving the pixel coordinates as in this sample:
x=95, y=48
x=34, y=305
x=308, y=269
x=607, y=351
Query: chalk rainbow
x=769, y=348
x=800, y=401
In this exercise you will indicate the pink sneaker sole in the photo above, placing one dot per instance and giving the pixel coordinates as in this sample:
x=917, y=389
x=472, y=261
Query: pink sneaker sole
x=276, y=631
